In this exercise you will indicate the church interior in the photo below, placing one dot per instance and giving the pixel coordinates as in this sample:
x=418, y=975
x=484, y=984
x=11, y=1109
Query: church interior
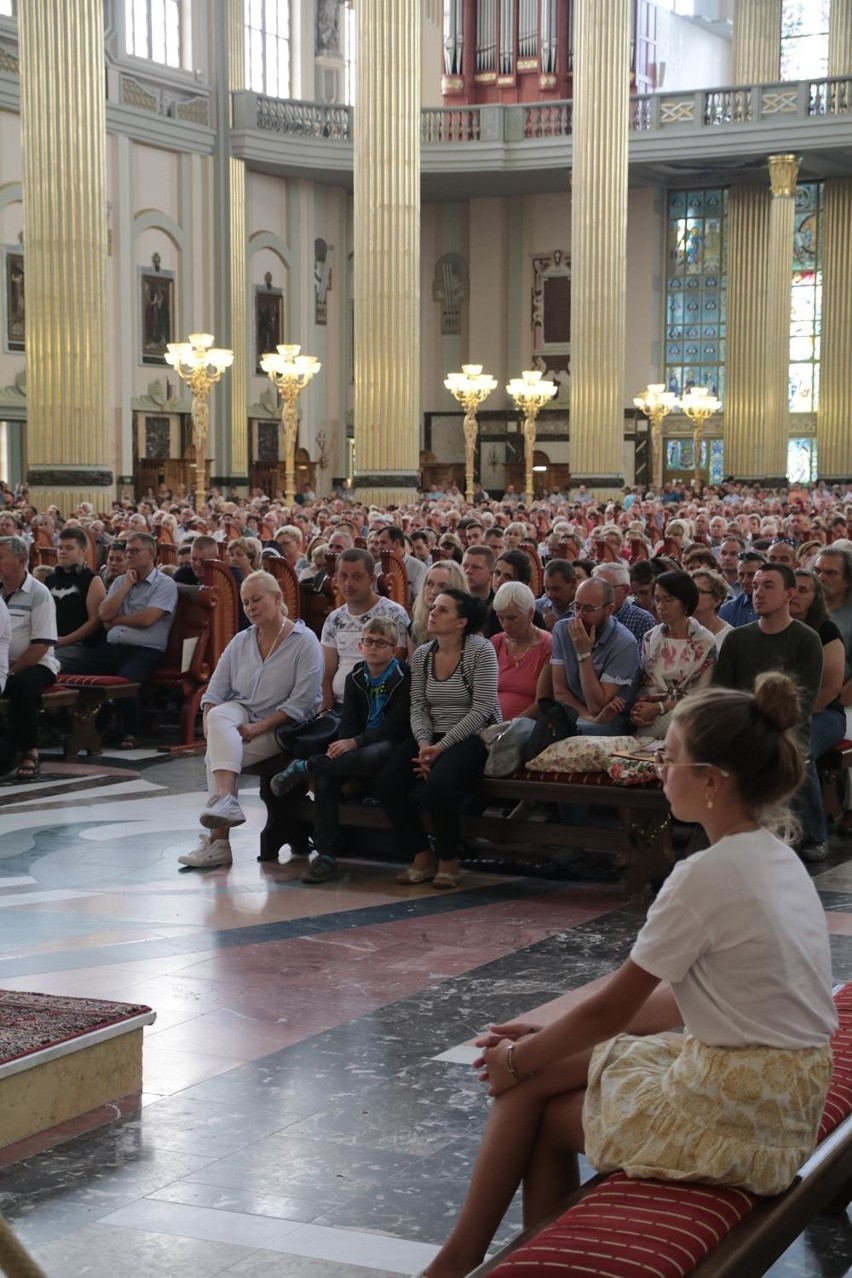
x=400, y=188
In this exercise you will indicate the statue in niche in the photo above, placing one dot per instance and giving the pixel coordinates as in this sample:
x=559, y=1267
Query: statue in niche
x=450, y=287
x=322, y=279
x=328, y=27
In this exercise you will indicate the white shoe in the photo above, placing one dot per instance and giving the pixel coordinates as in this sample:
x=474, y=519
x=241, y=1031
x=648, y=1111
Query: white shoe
x=224, y=810
x=207, y=854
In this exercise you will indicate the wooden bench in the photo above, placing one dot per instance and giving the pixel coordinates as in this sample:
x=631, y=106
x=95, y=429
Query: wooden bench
x=833, y=767
x=614, y=1226
x=640, y=839
x=81, y=696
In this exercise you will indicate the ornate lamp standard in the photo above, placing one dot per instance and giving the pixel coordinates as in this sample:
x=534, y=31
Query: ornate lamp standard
x=530, y=394
x=656, y=403
x=290, y=372
x=199, y=363
x=698, y=405
x=470, y=387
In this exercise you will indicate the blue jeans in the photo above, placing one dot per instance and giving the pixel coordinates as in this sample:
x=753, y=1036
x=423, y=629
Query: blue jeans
x=620, y=726
x=827, y=728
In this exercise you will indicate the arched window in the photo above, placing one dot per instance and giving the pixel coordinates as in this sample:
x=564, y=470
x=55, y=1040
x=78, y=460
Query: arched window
x=267, y=43
x=804, y=39
x=153, y=30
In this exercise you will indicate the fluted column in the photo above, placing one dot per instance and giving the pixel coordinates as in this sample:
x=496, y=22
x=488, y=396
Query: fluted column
x=783, y=172
x=834, y=455
x=238, y=338
x=748, y=226
x=599, y=242
x=387, y=251
x=840, y=38
x=63, y=130
x=756, y=43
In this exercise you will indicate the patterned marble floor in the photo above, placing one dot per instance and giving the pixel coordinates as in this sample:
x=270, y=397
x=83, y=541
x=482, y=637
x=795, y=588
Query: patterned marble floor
x=308, y=1106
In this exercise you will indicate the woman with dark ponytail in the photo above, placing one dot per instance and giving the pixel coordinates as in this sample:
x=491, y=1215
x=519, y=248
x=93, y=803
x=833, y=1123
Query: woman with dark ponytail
x=738, y=934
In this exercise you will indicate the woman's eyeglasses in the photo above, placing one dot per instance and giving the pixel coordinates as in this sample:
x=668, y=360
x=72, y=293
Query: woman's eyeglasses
x=662, y=763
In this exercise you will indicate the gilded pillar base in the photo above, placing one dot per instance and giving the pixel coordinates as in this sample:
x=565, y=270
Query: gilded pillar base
x=382, y=489
x=67, y=499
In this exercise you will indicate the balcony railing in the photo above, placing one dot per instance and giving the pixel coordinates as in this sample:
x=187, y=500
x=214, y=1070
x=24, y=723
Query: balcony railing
x=656, y=114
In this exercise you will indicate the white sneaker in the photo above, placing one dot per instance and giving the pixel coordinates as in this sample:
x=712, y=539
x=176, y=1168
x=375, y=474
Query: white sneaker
x=222, y=810
x=206, y=855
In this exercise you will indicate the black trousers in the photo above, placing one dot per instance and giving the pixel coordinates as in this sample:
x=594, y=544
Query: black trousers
x=128, y=660
x=329, y=776
x=24, y=691
x=451, y=779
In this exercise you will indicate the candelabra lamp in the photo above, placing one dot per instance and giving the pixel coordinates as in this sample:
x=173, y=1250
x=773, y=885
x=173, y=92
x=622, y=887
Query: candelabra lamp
x=470, y=387
x=200, y=364
x=530, y=394
x=290, y=372
x=656, y=403
x=699, y=405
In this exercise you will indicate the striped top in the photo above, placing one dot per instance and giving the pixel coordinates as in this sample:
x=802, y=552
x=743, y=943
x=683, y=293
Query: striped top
x=459, y=706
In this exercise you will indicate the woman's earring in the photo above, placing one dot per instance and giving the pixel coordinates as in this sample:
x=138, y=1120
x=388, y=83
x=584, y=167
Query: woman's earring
x=708, y=803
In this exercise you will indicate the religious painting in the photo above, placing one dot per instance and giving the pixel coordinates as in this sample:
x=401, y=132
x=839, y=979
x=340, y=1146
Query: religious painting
x=157, y=297
x=328, y=28
x=268, y=320
x=15, y=312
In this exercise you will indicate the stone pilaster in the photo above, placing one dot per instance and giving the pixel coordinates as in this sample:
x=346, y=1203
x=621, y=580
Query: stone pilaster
x=387, y=251
x=840, y=38
x=238, y=338
x=834, y=458
x=783, y=172
x=756, y=44
x=748, y=226
x=63, y=132
x=599, y=242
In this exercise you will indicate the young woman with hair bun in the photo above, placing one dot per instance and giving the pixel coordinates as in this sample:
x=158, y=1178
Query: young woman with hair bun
x=738, y=934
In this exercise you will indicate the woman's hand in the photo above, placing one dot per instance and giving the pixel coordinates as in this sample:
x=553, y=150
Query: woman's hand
x=426, y=756
x=496, y=1072
x=512, y=1030
x=645, y=712
x=337, y=748
x=250, y=731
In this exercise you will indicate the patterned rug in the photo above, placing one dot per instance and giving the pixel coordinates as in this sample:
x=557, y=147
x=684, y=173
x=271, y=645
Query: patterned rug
x=32, y=1022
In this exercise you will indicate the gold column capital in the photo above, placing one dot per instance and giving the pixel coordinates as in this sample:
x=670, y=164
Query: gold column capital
x=783, y=175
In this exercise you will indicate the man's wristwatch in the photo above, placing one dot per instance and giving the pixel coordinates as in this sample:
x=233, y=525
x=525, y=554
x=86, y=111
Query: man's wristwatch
x=583, y=656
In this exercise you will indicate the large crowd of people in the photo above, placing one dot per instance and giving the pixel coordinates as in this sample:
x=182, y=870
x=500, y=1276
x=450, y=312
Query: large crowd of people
x=613, y=611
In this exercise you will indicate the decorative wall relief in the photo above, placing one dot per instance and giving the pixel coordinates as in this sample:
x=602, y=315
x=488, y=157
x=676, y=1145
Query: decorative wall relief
x=328, y=28
x=451, y=287
x=158, y=437
x=267, y=443
x=322, y=279
x=268, y=319
x=157, y=299
x=15, y=309
x=551, y=319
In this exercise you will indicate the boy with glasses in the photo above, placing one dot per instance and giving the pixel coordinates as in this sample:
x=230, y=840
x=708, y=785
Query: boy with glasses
x=375, y=717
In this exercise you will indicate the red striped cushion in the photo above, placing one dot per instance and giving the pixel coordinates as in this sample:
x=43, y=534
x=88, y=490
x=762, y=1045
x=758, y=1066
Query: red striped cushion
x=91, y=681
x=626, y=1228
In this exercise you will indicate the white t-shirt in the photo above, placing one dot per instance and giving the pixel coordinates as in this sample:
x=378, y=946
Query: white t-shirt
x=739, y=932
x=342, y=630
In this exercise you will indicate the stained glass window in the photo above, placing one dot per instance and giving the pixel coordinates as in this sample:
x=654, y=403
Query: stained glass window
x=804, y=39
x=153, y=30
x=696, y=279
x=680, y=456
x=267, y=45
x=806, y=299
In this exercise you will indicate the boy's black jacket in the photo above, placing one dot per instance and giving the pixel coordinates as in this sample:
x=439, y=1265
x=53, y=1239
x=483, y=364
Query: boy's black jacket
x=395, y=723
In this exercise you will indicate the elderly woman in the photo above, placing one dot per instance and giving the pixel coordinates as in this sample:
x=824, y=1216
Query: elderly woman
x=268, y=675
x=678, y=655
x=445, y=573
x=453, y=696
x=523, y=652
x=712, y=593
x=244, y=553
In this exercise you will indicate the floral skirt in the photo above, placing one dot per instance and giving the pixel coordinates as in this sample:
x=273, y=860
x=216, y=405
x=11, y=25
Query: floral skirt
x=669, y=1106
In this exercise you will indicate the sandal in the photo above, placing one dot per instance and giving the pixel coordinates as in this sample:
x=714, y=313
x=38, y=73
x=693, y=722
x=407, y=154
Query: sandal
x=29, y=768
x=127, y=743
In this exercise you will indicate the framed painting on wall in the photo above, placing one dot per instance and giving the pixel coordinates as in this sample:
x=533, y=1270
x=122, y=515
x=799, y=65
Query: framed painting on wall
x=157, y=297
x=268, y=321
x=15, y=309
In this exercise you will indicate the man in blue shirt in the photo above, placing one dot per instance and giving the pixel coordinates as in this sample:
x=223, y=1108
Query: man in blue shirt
x=740, y=611
x=637, y=620
x=595, y=660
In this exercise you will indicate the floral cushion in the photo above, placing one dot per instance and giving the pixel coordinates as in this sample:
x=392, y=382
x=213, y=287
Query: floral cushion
x=638, y=771
x=581, y=754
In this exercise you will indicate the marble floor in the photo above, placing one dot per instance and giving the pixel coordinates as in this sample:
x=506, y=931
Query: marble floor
x=308, y=1107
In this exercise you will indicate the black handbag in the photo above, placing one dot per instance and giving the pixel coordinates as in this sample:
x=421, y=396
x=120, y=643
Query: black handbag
x=302, y=740
x=556, y=722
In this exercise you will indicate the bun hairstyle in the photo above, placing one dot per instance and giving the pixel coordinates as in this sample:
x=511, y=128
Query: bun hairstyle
x=473, y=610
x=753, y=737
